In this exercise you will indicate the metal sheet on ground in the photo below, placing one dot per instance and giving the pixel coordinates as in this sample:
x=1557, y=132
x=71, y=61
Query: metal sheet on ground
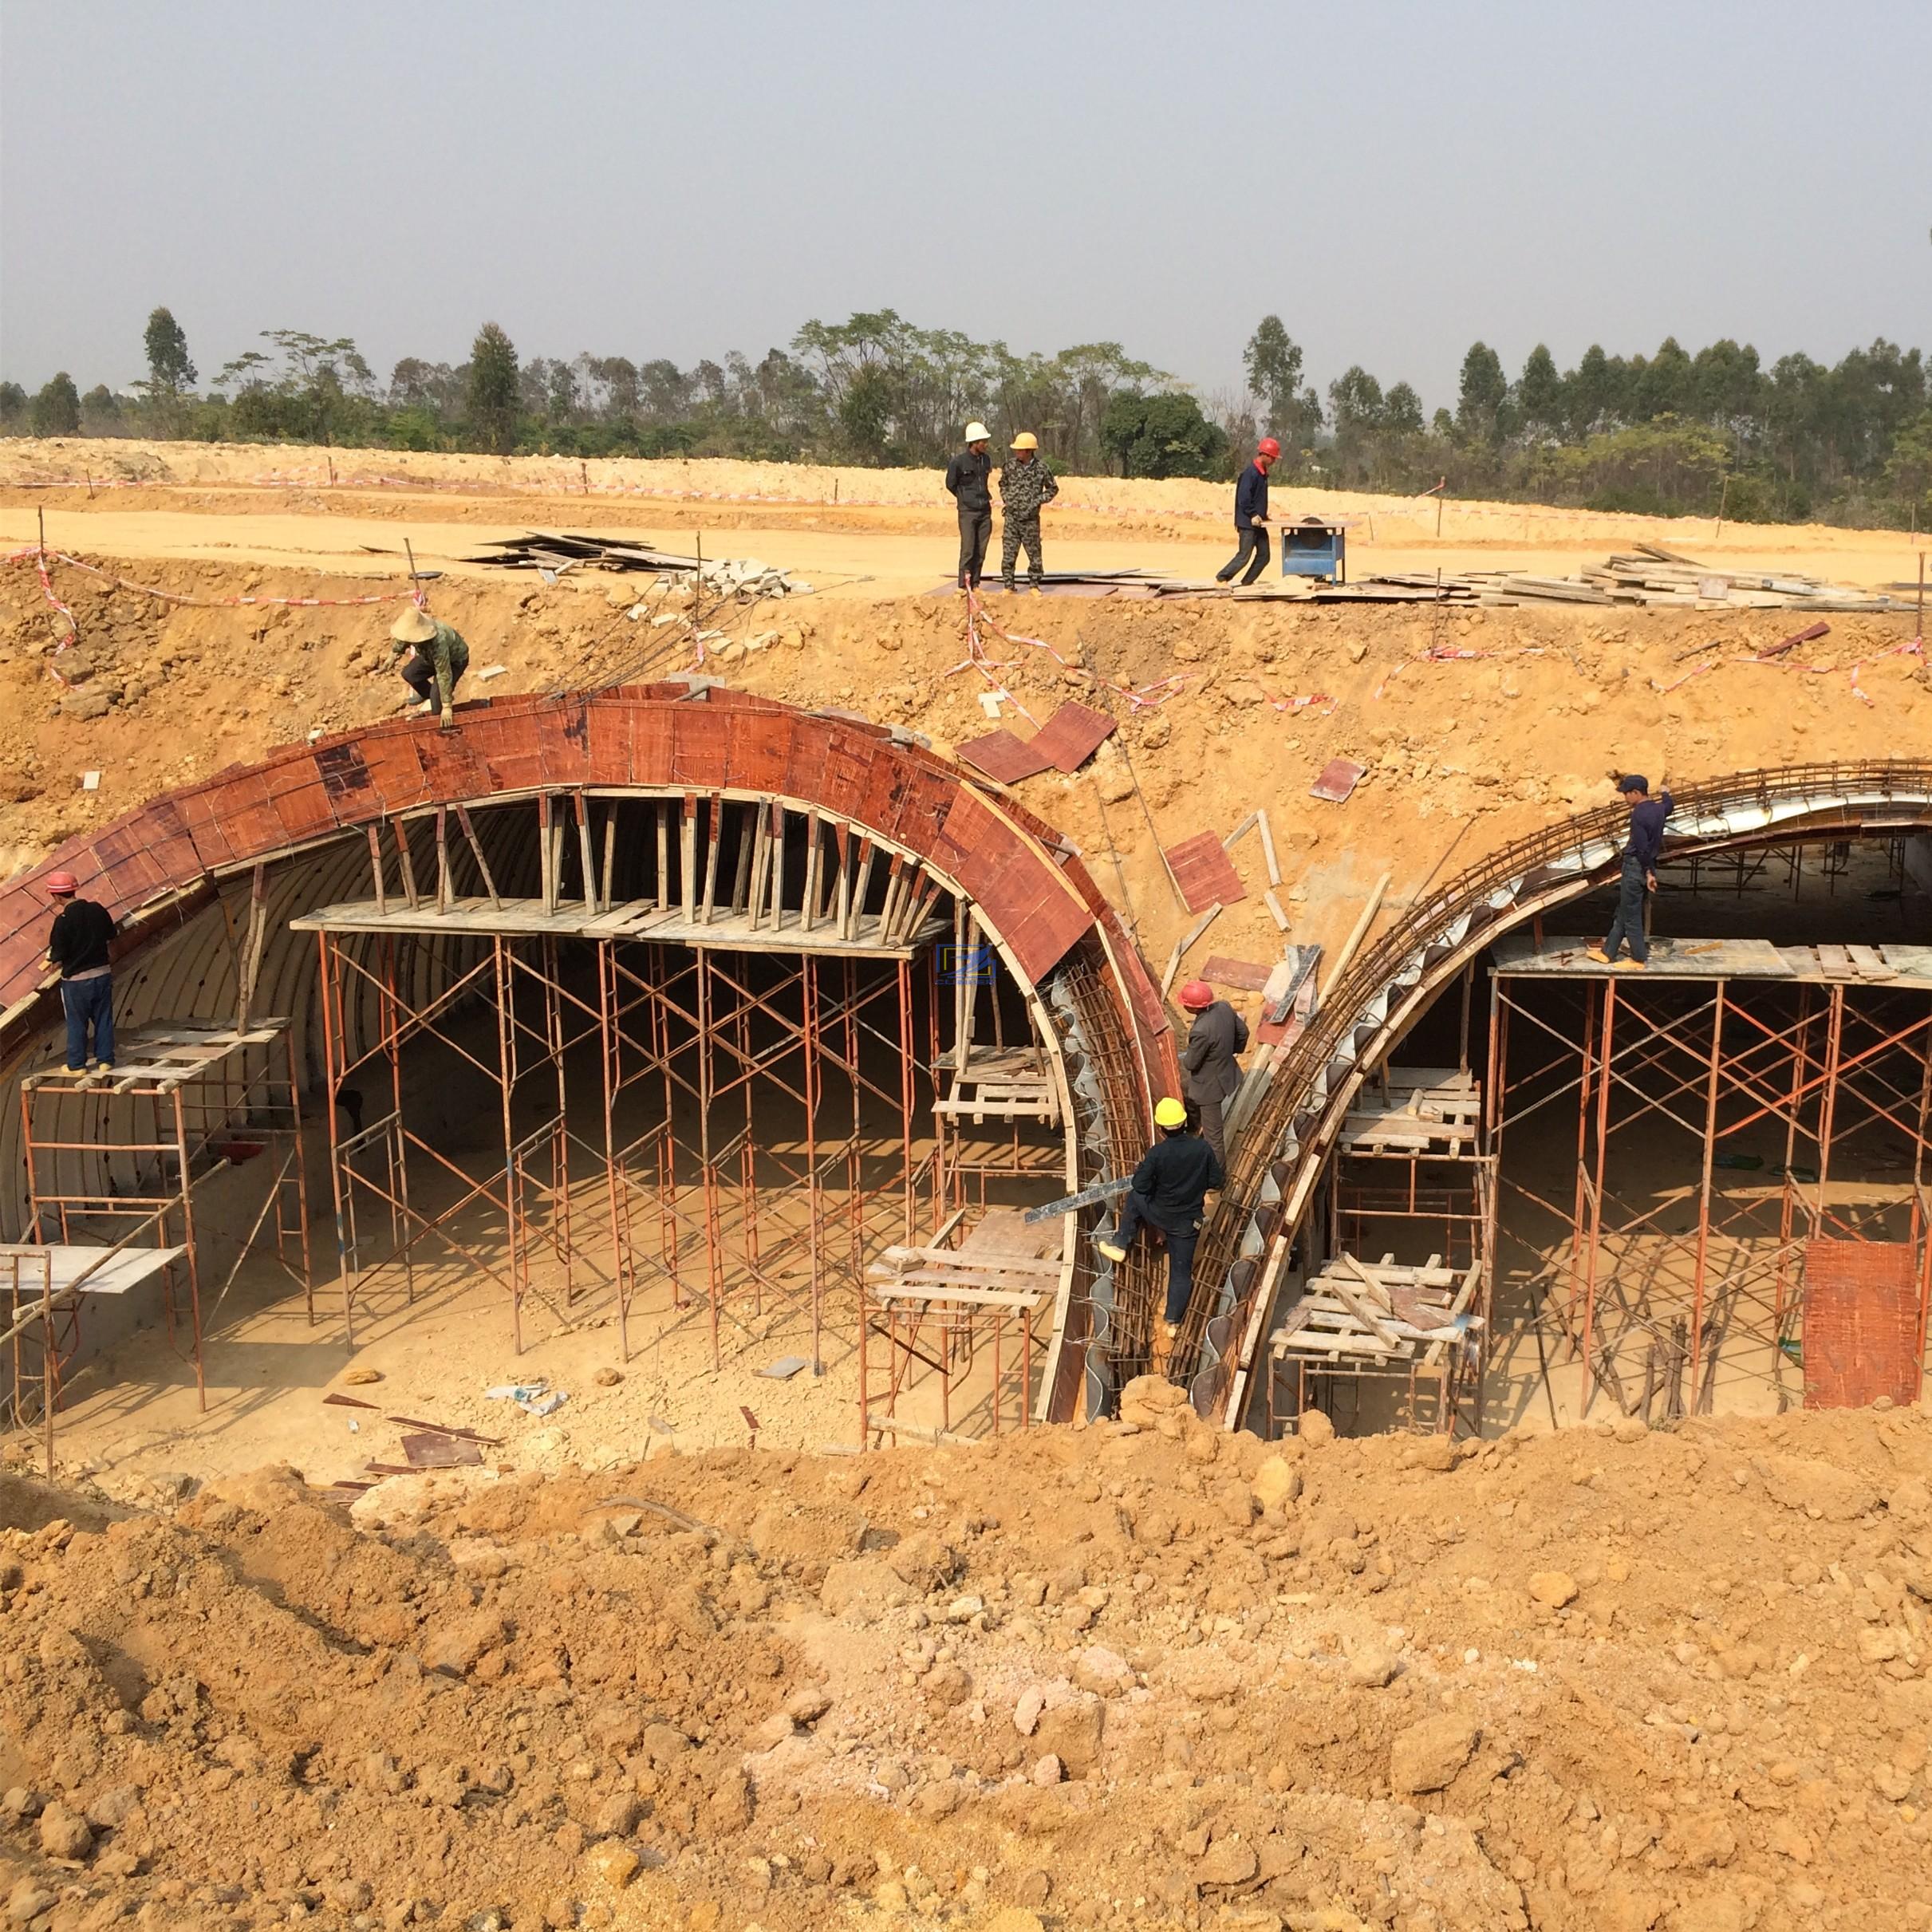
x=1246, y=976
x=1339, y=777
x=1003, y=756
x=1072, y=735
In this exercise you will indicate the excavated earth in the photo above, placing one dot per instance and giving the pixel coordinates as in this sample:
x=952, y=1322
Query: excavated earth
x=1138, y=1675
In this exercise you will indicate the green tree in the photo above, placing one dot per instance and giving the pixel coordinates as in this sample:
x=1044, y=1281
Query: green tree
x=101, y=412
x=1273, y=360
x=864, y=413
x=13, y=409
x=493, y=389
x=1163, y=436
x=1403, y=410
x=1483, y=396
x=57, y=408
x=1908, y=471
x=170, y=370
x=1539, y=395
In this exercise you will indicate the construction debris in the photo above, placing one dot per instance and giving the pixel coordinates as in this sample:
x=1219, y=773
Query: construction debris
x=553, y=552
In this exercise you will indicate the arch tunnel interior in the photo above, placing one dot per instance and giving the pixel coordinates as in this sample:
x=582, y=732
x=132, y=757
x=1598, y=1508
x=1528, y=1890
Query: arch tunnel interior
x=698, y=1086
x=1699, y=1187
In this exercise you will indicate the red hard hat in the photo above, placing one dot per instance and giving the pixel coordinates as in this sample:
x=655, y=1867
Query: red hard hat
x=61, y=884
x=1267, y=446
x=1195, y=995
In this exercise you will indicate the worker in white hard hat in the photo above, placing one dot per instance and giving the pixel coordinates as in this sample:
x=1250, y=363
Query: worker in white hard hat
x=1026, y=484
x=1170, y=1188
x=441, y=659
x=969, y=482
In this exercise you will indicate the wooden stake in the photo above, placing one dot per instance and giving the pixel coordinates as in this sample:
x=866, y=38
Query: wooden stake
x=1346, y=954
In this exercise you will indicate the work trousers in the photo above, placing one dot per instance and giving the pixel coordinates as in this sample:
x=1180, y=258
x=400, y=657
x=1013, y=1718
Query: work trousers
x=1179, y=1253
x=90, y=1007
x=1254, y=543
x=975, y=533
x=1014, y=534
x=420, y=675
x=1627, y=927
x=1212, y=1129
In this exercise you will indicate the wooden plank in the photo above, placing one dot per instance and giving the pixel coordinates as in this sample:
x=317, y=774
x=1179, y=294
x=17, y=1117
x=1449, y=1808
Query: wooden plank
x=972, y=1292
x=1203, y=873
x=1370, y=1317
x=988, y=1258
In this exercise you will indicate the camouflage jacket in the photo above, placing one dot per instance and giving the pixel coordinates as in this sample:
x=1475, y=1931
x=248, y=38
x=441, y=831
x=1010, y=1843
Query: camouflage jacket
x=1023, y=486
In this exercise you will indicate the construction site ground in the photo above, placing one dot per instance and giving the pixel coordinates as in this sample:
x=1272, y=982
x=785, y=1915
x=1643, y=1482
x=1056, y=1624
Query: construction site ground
x=1140, y=1674
x=485, y=1698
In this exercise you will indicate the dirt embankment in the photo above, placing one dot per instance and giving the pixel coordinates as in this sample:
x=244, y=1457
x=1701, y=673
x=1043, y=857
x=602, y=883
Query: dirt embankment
x=1475, y=726
x=1140, y=1674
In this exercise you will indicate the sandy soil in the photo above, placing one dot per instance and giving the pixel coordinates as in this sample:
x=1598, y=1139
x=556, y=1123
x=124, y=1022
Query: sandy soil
x=1139, y=1675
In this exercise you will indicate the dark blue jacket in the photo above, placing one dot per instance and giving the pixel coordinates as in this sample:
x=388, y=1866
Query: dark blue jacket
x=1173, y=1175
x=1250, y=496
x=1647, y=830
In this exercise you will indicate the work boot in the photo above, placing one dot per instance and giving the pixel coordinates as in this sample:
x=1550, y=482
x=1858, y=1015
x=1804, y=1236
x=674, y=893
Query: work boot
x=1112, y=1250
x=1007, y=585
x=1597, y=954
x=1627, y=965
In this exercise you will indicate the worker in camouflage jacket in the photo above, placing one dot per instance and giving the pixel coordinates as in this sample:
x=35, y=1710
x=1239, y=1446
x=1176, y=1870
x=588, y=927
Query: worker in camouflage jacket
x=1025, y=484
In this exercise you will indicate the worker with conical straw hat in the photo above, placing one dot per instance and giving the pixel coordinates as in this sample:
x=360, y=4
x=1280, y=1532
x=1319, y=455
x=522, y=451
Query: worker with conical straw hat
x=441, y=659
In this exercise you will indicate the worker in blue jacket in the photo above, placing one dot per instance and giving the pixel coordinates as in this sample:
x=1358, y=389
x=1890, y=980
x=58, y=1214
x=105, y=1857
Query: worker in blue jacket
x=1639, y=873
x=1168, y=1195
x=1251, y=515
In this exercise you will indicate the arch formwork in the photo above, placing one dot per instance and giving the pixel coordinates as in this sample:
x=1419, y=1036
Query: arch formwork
x=1293, y=1129
x=361, y=891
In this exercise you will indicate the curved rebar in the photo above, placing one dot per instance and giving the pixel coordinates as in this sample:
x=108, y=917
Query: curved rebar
x=1285, y=1136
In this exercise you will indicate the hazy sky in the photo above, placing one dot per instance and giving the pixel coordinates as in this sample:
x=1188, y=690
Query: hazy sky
x=1395, y=180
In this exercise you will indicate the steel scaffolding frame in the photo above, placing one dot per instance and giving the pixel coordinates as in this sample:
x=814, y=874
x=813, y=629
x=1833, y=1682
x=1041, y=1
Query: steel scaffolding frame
x=1809, y=1061
x=186, y=1099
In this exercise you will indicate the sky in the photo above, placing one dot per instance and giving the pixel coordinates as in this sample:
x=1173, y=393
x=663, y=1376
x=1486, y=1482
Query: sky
x=1394, y=180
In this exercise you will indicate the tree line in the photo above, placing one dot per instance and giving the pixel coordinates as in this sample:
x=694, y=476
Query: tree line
x=1671, y=433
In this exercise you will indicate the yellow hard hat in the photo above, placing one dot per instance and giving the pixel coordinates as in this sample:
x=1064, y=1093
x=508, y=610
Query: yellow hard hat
x=1169, y=1113
x=1026, y=440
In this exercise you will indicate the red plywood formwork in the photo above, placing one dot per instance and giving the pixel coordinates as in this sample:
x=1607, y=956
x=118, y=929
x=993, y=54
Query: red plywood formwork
x=1204, y=873
x=1072, y=735
x=1004, y=757
x=1861, y=1322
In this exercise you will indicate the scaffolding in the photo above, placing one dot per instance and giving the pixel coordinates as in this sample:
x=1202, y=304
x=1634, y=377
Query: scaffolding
x=1409, y=1168
x=114, y=1164
x=1733, y=1103
x=757, y=992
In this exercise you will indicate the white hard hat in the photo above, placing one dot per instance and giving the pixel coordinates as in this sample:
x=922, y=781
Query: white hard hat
x=978, y=432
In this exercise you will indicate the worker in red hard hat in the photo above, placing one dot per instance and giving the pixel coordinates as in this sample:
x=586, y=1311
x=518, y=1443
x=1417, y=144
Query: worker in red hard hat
x=78, y=945
x=1208, y=1063
x=1251, y=515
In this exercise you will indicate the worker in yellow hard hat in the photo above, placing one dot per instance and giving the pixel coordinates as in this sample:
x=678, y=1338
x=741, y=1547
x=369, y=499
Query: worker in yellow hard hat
x=969, y=483
x=1025, y=485
x=1168, y=1195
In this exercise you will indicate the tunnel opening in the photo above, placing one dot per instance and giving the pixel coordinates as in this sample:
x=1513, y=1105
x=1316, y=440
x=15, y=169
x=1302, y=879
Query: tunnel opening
x=1568, y=1191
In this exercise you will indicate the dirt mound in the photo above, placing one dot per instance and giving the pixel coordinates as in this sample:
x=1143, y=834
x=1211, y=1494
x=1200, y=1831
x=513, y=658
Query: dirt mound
x=1148, y=1676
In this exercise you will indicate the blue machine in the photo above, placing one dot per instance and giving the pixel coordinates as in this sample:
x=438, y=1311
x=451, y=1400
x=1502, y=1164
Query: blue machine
x=1312, y=548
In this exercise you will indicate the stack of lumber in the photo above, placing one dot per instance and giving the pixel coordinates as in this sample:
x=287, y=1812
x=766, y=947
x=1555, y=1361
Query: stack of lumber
x=1645, y=574
x=998, y=1265
x=1423, y=1111
x=1377, y=1315
x=553, y=552
x=999, y=1083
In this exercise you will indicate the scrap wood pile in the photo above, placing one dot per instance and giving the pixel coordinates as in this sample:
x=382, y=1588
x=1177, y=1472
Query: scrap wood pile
x=553, y=552
x=1644, y=574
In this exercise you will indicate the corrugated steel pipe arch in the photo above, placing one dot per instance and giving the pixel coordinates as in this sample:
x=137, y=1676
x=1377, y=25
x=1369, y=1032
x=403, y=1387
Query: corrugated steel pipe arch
x=1293, y=1130
x=178, y=872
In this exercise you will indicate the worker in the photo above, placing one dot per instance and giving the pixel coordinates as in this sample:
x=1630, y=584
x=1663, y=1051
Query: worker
x=1251, y=515
x=441, y=659
x=1639, y=873
x=1025, y=484
x=1213, y=1076
x=78, y=946
x=1170, y=1191
x=969, y=482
